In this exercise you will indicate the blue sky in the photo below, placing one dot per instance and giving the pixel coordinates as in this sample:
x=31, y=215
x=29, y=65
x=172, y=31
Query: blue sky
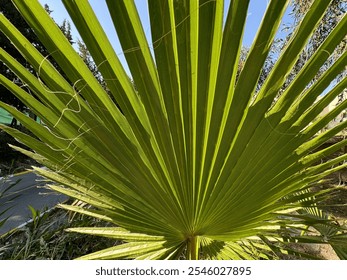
x=255, y=14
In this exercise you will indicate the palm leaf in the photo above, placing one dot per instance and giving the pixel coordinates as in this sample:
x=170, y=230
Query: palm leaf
x=192, y=158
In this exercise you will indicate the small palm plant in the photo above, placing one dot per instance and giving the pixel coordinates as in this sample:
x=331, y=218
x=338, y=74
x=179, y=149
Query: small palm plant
x=192, y=161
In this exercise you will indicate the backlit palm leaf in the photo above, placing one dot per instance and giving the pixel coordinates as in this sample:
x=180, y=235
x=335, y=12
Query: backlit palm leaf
x=191, y=160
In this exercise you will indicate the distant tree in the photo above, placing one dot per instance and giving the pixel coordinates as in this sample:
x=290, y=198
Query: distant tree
x=332, y=16
x=299, y=8
x=268, y=64
x=65, y=27
x=88, y=60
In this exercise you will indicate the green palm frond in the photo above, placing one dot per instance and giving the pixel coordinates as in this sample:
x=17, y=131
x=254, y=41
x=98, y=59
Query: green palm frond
x=193, y=159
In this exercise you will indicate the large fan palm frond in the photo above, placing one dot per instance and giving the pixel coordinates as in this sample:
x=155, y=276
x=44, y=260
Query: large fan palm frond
x=193, y=158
